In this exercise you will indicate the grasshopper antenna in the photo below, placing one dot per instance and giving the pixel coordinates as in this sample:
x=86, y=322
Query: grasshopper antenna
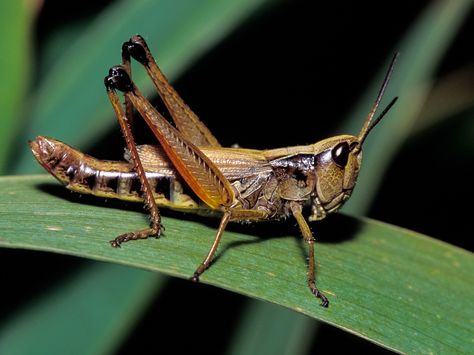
x=369, y=124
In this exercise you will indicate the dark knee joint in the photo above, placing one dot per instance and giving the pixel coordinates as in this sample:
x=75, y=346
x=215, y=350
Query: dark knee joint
x=118, y=79
x=137, y=48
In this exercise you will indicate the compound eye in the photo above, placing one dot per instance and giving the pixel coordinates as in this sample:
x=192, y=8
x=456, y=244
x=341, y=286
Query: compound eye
x=340, y=154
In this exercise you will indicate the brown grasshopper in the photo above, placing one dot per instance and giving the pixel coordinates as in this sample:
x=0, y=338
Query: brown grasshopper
x=237, y=183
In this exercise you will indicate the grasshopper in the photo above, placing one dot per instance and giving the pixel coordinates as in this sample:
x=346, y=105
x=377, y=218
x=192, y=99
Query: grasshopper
x=189, y=170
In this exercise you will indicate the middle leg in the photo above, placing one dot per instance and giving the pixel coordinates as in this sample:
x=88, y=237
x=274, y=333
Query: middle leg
x=210, y=255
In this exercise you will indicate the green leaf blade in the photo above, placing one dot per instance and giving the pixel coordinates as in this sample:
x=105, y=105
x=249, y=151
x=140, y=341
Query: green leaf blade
x=16, y=19
x=391, y=286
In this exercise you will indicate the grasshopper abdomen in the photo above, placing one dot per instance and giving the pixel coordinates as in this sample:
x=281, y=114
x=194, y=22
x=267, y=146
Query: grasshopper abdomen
x=110, y=179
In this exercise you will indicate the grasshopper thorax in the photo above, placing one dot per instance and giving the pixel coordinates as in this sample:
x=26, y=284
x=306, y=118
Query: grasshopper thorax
x=323, y=174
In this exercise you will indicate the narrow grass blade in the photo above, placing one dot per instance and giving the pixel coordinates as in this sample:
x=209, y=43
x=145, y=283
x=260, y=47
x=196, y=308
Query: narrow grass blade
x=450, y=96
x=15, y=28
x=90, y=314
x=394, y=287
x=268, y=329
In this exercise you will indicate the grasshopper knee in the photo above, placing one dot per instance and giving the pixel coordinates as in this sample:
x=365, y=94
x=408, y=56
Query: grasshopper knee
x=118, y=79
x=137, y=49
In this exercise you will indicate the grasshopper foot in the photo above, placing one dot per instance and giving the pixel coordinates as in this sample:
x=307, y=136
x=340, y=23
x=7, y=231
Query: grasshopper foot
x=142, y=234
x=198, y=272
x=195, y=277
x=116, y=243
x=318, y=294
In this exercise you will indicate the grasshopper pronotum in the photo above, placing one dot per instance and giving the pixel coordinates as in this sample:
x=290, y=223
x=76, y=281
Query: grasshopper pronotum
x=239, y=184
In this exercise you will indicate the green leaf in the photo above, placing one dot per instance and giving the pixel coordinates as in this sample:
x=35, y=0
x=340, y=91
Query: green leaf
x=15, y=20
x=391, y=286
x=71, y=103
x=82, y=315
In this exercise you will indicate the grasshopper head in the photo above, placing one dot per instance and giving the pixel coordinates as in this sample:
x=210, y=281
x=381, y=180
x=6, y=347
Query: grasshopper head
x=338, y=161
x=336, y=169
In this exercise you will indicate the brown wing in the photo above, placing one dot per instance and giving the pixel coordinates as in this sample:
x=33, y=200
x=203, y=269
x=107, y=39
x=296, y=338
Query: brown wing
x=199, y=172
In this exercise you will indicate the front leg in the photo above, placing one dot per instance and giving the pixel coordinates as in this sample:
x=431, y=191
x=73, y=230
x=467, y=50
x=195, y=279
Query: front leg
x=296, y=209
